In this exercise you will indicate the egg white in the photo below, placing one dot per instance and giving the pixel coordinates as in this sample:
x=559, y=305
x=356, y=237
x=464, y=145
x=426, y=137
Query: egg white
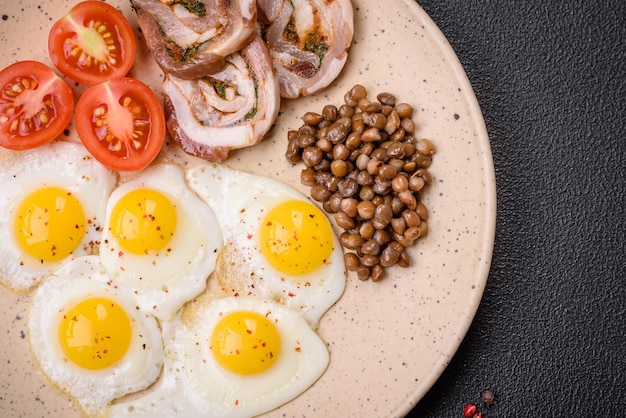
x=195, y=385
x=240, y=200
x=60, y=164
x=164, y=280
x=93, y=390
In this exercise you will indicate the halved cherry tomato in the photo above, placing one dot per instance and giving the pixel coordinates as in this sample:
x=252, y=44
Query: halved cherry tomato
x=92, y=43
x=35, y=105
x=121, y=123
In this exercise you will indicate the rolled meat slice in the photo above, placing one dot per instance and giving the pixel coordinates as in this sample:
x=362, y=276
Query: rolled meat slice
x=308, y=41
x=234, y=108
x=191, y=38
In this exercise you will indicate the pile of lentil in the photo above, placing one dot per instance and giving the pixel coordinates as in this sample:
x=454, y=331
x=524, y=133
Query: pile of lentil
x=365, y=165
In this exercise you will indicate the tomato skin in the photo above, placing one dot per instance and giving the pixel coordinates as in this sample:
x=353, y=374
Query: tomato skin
x=78, y=49
x=36, y=105
x=121, y=123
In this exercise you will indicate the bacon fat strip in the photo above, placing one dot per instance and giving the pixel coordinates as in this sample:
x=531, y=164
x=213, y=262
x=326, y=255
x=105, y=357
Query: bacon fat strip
x=190, y=38
x=231, y=109
x=308, y=41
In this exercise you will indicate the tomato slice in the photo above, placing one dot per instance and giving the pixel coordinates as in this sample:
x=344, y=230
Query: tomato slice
x=92, y=43
x=121, y=123
x=35, y=105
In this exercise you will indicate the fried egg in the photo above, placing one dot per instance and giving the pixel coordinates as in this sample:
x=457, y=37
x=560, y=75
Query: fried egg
x=90, y=338
x=277, y=244
x=232, y=357
x=52, y=201
x=160, y=239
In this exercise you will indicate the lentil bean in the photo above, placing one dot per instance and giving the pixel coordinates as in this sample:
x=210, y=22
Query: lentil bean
x=389, y=256
x=330, y=112
x=399, y=184
x=293, y=152
x=361, y=161
x=355, y=94
x=411, y=218
x=351, y=241
x=422, y=211
x=370, y=247
x=366, y=209
x=334, y=203
x=412, y=233
x=305, y=140
x=366, y=193
x=404, y=260
x=416, y=183
x=312, y=156
x=387, y=172
x=383, y=214
x=397, y=135
x=370, y=135
x=408, y=125
x=398, y=225
x=363, y=104
x=345, y=111
x=380, y=154
x=367, y=231
x=377, y=273
x=339, y=168
x=423, y=229
x=353, y=142
x=373, y=166
x=306, y=130
x=363, y=273
x=324, y=165
x=320, y=193
x=386, y=110
x=358, y=126
x=349, y=206
x=425, y=147
x=408, y=199
x=381, y=186
x=396, y=150
x=307, y=177
x=324, y=144
x=374, y=107
x=352, y=261
x=396, y=206
x=348, y=187
x=344, y=221
x=404, y=110
x=341, y=152
x=382, y=236
x=386, y=99
x=378, y=121
x=393, y=122
x=370, y=260
x=422, y=161
x=312, y=118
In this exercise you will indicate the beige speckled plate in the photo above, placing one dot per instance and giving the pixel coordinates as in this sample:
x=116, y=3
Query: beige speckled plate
x=388, y=341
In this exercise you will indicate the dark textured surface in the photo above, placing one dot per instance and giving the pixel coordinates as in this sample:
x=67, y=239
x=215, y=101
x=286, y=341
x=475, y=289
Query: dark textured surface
x=549, y=338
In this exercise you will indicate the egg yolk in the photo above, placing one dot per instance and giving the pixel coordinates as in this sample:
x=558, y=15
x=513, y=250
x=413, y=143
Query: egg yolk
x=49, y=224
x=95, y=333
x=296, y=237
x=143, y=220
x=245, y=342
